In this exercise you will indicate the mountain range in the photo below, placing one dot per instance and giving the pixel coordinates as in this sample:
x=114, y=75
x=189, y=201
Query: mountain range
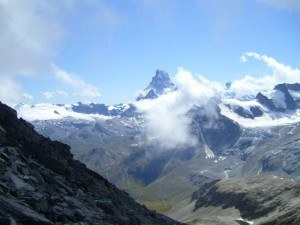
x=244, y=145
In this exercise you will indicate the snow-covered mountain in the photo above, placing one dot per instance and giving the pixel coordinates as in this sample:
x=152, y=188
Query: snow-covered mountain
x=160, y=84
x=80, y=111
x=269, y=108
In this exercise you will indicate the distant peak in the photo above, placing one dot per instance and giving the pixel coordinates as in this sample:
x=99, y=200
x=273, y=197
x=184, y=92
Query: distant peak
x=161, y=74
x=159, y=83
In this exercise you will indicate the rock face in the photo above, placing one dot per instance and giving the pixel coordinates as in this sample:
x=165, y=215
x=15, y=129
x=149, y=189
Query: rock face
x=41, y=183
x=265, y=199
x=216, y=131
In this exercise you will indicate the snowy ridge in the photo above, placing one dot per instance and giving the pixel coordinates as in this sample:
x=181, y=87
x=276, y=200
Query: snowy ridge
x=275, y=107
x=48, y=111
x=80, y=111
x=266, y=120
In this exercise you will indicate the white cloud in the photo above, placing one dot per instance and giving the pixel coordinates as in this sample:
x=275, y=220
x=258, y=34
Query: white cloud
x=167, y=122
x=28, y=37
x=243, y=59
x=48, y=94
x=63, y=93
x=26, y=97
x=291, y=5
x=77, y=84
x=10, y=91
x=250, y=85
x=52, y=94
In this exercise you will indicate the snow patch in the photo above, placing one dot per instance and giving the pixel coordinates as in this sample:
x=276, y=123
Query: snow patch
x=245, y=221
x=277, y=96
x=295, y=95
x=209, y=153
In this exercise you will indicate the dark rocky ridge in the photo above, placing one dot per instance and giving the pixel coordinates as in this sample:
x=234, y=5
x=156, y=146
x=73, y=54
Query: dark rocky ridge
x=41, y=183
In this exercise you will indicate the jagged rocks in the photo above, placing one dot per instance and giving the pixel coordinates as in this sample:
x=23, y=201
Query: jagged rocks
x=11, y=208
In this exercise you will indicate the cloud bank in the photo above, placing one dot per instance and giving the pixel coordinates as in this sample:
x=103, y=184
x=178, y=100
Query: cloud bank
x=167, y=122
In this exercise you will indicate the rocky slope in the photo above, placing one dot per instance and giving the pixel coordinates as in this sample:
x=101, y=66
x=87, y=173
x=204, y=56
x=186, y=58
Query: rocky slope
x=265, y=200
x=41, y=183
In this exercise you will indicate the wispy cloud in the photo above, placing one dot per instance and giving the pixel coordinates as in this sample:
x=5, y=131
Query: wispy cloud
x=80, y=87
x=48, y=95
x=26, y=97
x=52, y=94
x=62, y=93
x=250, y=85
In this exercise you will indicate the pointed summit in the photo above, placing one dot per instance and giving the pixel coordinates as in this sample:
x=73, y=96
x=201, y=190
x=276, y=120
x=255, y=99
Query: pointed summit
x=158, y=85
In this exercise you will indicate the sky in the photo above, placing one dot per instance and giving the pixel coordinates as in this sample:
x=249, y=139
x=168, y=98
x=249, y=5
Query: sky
x=65, y=51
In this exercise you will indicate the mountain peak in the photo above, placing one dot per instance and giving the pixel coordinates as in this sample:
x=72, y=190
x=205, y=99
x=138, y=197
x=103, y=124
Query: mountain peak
x=161, y=74
x=159, y=84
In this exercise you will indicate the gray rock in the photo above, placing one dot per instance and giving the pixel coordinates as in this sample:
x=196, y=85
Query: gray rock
x=18, y=184
x=79, y=214
x=2, y=134
x=23, y=213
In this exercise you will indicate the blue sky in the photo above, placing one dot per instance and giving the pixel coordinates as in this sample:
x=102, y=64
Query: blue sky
x=67, y=51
